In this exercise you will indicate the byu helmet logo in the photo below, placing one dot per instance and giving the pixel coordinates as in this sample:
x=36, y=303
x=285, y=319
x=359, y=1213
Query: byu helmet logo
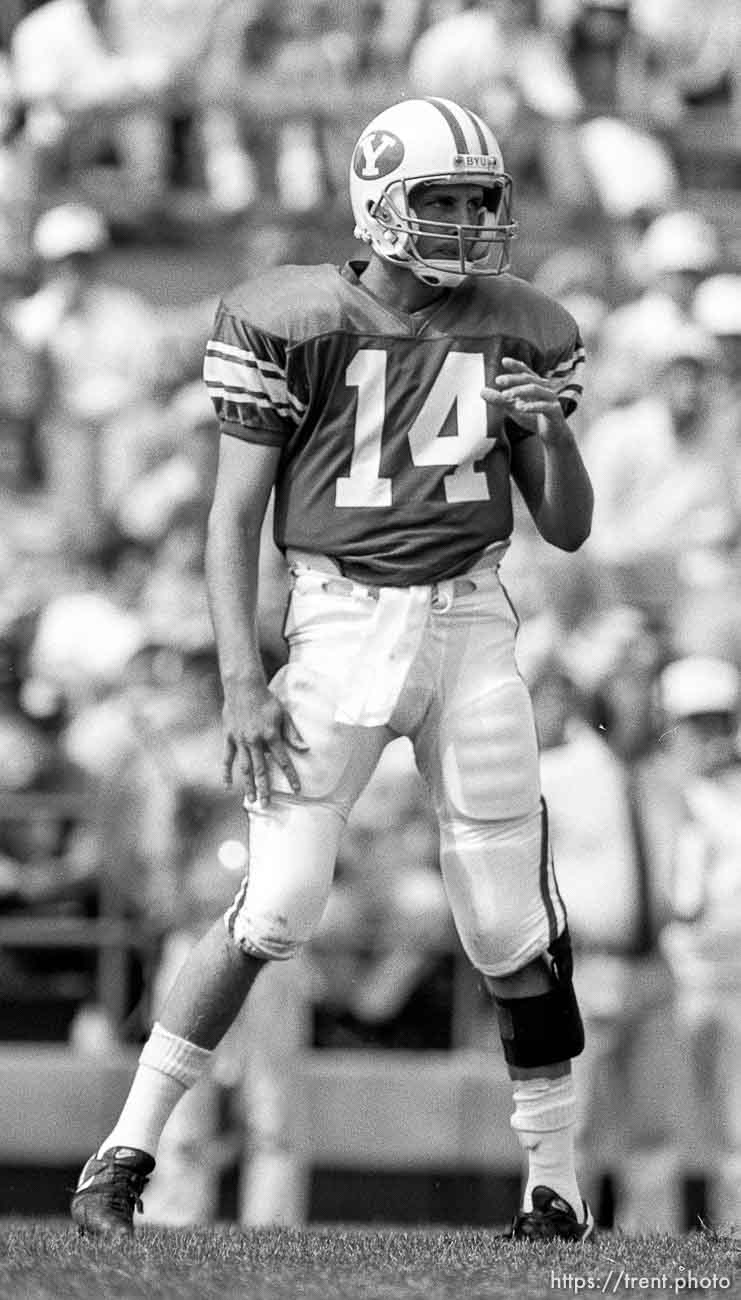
x=377, y=154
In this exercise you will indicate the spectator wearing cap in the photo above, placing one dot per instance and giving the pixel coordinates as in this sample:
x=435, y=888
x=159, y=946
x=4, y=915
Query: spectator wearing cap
x=709, y=621
x=678, y=250
x=99, y=342
x=699, y=698
x=598, y=782
x=660, y=484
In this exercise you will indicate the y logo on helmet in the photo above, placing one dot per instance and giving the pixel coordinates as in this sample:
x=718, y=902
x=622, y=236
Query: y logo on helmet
x=377, y=154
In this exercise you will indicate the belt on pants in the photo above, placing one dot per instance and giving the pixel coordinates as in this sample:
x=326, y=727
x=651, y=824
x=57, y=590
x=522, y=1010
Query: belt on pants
x=442, y=593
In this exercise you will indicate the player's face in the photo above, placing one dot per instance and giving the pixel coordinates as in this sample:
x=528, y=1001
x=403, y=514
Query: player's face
x=440, y=208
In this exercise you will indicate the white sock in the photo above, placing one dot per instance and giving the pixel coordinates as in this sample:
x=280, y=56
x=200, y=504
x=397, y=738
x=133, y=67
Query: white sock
x=544, y=1119
x=168, y=1066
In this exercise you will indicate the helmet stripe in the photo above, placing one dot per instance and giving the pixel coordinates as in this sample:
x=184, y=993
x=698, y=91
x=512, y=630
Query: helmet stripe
x=459, y=137
x=479, y=128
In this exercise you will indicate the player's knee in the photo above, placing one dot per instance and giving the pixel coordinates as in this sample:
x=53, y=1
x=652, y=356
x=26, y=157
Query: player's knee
x=497, y=889
x=544, y=1027
x=264, y=937
x=291, y=853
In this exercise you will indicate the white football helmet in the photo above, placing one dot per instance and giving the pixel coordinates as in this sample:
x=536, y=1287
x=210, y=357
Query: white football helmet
x=422, y=142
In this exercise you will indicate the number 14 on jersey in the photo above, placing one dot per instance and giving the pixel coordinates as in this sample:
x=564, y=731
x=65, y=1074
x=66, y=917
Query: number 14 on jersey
x=458, y=385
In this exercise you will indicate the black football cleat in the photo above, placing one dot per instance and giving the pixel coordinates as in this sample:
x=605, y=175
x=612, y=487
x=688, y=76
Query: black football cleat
x=551, y=1219
x=108, y=1191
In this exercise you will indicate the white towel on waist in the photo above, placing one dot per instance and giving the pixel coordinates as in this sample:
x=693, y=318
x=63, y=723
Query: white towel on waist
x=383, y=656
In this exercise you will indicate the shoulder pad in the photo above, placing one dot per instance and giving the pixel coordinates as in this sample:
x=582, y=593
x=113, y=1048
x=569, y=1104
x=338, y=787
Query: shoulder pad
x=293, y=302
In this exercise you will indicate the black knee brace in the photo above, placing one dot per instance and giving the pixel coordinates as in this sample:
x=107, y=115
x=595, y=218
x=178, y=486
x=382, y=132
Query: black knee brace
x=546, y=1028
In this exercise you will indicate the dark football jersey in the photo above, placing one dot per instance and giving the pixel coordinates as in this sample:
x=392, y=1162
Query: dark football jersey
x=391, y=461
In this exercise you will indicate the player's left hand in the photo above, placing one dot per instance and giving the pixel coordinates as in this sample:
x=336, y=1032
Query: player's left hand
x=529, y=400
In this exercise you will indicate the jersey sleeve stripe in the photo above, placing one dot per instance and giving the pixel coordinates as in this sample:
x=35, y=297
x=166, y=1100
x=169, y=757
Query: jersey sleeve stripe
x=250, y=399
x=249, y=380
x=231, y=353
x=567, y=378
x=565, y=367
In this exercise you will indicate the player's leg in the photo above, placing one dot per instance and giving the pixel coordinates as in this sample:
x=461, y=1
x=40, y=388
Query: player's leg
x=478, y=750
x=292, y=847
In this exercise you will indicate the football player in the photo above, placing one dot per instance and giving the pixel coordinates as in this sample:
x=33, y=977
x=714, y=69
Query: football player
x=388, y=404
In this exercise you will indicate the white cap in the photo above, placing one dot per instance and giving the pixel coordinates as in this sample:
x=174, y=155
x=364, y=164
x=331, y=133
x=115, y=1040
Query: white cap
x=83, y=641
x=717, y=304
x=630, y=170
x=67, y=229
x=699, y=684
x=679, y=241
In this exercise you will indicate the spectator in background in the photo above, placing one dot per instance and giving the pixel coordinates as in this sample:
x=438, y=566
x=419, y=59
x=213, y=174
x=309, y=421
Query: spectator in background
x=108, y=84
x=699, y=698
x=204, y=47
x=81, y=97
x=302, y=61
x=495, y=59
x=609, y=156
x=661, y=487
x=19, y=182
x=676, y=253
x=697, y=50
x=716, y=308
x=22, y=381
x=610, y=848
x=709, y=618
x=99, y=342
x=607, y=56
x=48, y=863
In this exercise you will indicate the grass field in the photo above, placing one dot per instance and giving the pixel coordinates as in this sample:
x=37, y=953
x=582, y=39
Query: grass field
x=47, y=1260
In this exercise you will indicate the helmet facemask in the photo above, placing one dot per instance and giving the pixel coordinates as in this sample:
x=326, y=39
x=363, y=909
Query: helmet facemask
x=463, y=250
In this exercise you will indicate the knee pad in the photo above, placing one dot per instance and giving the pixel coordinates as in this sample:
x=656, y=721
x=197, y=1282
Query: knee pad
x=291, y=851
x=546, y=1028
x=502, y=890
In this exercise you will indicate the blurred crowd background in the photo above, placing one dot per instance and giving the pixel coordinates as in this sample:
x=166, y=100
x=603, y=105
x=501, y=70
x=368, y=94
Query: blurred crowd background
x=151, y=155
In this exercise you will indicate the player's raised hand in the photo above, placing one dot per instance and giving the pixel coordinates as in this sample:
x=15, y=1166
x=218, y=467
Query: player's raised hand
x=258, y=730
x=528, y=399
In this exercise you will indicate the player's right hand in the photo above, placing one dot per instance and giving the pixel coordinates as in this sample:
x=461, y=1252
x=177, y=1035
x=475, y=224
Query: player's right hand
x=258, y=730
